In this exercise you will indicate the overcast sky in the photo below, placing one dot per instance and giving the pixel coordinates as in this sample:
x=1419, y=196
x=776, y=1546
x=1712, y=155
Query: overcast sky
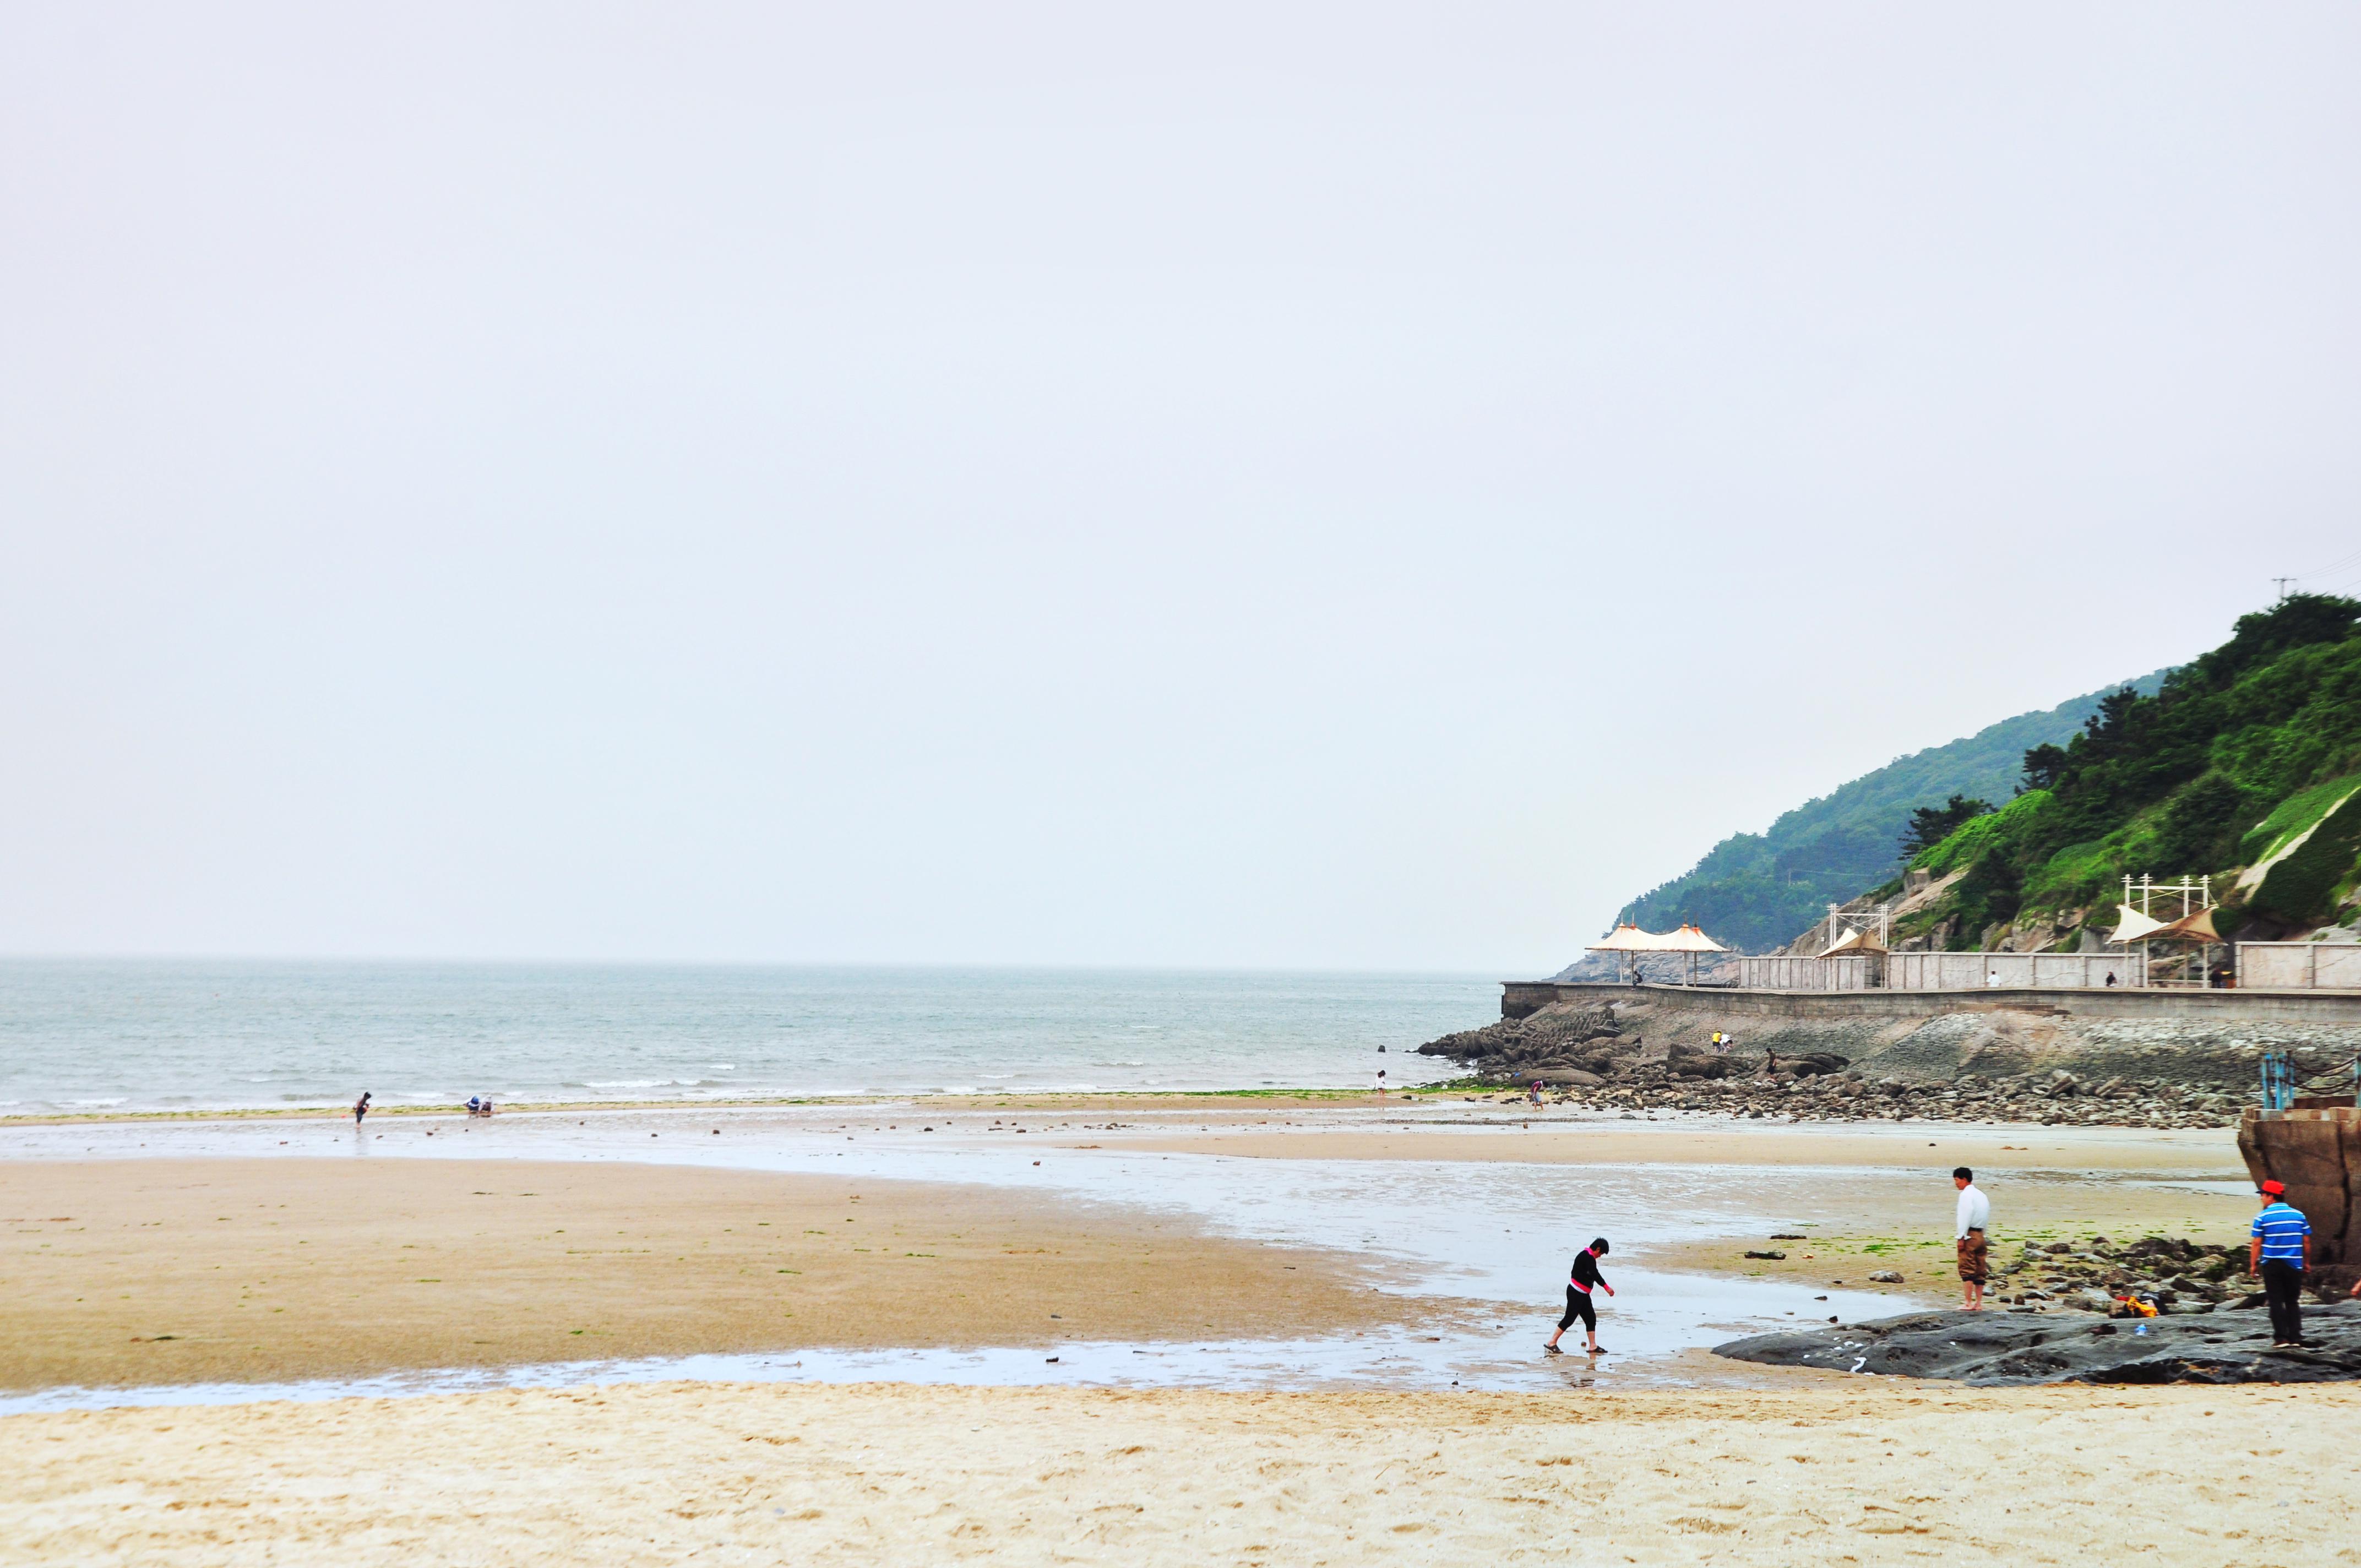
x=1336, y=485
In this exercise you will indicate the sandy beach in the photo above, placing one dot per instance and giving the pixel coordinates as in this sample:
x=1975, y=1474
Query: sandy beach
x=192, y=1270
x=225, y=1266
x=201, y=1260
x=899, y=1475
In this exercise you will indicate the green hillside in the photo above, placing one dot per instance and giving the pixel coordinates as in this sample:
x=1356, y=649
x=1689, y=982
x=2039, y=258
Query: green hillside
x=2250, y=756
x=1756, y=891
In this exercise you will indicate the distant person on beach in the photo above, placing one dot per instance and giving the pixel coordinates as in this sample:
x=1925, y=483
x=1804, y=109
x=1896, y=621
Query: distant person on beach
x=1585, y=1278
x=1381, y=1083
x=1969, y=1222
x=1533, y=1093
x=1992, y=977
x=475, y=1105
x=2279, y=1249
x=361, y=1108
x=2110, y=977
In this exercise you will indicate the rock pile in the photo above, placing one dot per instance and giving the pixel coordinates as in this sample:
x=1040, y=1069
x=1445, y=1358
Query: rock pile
x=1590, y=1056
x=2173, y=1274
x=2230, y=1346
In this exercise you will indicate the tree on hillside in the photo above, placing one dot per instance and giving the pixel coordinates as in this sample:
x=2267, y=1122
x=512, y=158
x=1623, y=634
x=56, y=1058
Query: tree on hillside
x=2135, y=751
x=2044, y=766
x=1930, y=825
x=2107, y=724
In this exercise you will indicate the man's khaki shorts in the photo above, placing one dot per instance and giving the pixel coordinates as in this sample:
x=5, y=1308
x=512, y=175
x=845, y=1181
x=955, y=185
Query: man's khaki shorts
x=1971, y=1258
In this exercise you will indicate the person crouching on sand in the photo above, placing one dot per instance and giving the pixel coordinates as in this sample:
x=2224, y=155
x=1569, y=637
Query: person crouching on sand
x=361, y=1109
x=1969, y=1223
x=1585, y=1279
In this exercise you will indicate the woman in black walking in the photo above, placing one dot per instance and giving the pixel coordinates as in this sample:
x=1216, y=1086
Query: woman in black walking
x=1584, y=1279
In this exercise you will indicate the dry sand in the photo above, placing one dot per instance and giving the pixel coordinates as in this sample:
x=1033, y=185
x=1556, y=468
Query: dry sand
x=1848, y=1473
x=185, y=1270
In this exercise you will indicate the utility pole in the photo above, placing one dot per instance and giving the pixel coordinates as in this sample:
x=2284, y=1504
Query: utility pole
x=2283, y=582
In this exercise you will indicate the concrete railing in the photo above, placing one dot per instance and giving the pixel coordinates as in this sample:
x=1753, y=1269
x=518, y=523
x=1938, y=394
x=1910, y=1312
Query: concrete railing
x=2300, y=966
x=2018, y=971
x=1775, y=973
x=1941, y=971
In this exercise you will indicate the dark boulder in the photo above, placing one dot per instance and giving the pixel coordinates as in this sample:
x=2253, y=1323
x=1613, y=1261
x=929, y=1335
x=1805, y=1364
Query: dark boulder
x=2335, y=1282
x=2220, y=1347
x=1804, y=1063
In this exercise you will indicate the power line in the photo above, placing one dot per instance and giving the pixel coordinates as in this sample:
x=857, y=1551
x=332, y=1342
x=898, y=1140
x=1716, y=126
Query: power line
x=2350, y=558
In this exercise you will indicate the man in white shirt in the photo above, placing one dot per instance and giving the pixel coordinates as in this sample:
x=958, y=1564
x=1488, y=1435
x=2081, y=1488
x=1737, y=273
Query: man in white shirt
x=1974, y=1214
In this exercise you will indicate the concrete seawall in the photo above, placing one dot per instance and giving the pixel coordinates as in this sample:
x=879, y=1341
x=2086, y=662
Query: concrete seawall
x=2200, y=1038
x=1521, y=998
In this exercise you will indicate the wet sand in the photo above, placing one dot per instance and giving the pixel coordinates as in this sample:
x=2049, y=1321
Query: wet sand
x=2046, y=1184
x=1546, y=1139
x=1854, y=1472
x=167, y=1269
x=162, y=1271
x=285, y=1266
x=1248, y=1101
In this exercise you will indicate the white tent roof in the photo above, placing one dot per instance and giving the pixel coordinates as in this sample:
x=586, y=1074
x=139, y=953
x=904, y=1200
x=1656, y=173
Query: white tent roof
x=1629, y=939
x=2132, y=925
x=1689, y=940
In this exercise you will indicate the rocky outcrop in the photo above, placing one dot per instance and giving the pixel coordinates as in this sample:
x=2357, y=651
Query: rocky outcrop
x=2155, y=1274
x=2012, y=1347
x=2316, y=1151
x=2137, y=1059
x=1620, y=1049
x=1563, y=1038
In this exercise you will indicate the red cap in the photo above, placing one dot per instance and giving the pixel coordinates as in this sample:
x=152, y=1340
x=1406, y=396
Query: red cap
x=2274, y=1189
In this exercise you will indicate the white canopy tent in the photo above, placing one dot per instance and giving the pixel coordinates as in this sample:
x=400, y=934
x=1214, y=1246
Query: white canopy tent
x=2194, y=927
x=1626, y=938
x=1854, y=943
x=1629, y=938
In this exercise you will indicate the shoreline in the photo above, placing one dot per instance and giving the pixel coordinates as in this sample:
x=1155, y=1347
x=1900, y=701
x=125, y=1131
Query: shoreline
x=1021, y=1100
x=1464, y=1090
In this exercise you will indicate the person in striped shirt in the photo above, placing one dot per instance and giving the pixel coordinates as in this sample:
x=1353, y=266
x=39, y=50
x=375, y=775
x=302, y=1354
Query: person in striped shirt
x=2280, y=1251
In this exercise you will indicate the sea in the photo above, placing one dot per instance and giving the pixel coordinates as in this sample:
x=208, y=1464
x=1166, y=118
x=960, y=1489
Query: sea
x=91, y=1035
